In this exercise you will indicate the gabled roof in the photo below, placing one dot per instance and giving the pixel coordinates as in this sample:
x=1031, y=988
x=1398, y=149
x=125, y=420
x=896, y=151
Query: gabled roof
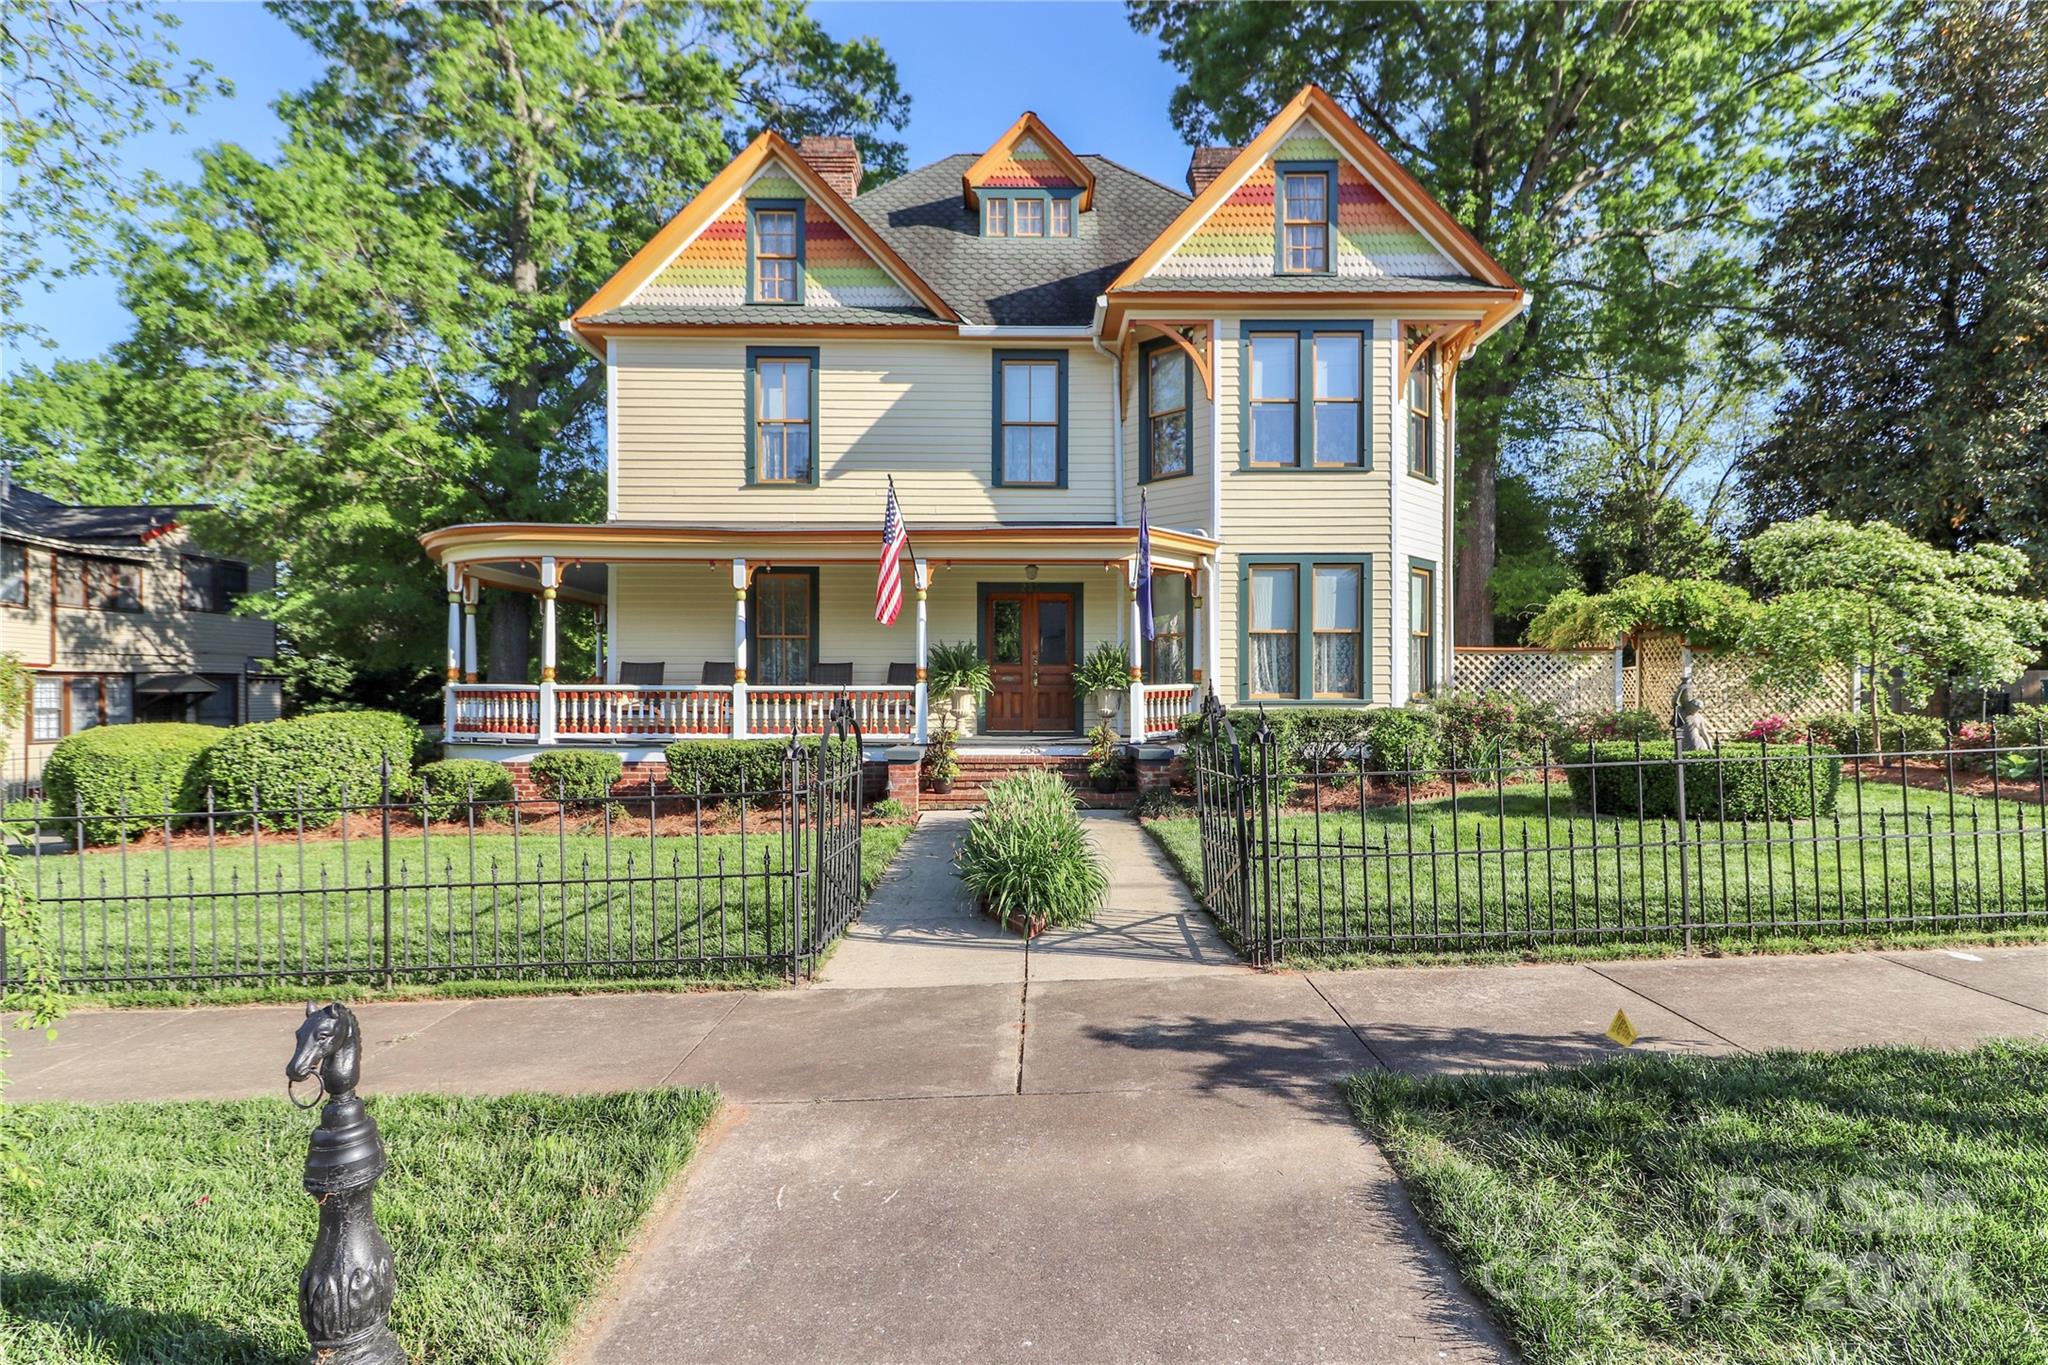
x=1030, y=126
x=1018, y=281
x=1446, y=233
x=716, y=195
x=24, y=511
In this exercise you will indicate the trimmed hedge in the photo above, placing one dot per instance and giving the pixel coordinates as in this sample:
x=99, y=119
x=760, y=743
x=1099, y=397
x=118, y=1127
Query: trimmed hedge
x=1743, y=785
x=447, y=786
x=1324, y=738
x=722, y=768
x=577, y=774
x=321, y=761
x=153, y=767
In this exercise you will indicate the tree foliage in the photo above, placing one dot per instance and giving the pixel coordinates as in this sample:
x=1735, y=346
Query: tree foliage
x=1911, y=291
x=72, y=431
x=79, y=80
x=1704, y=613
x=1876, y=596
x=1609, y=154
x=365, y=328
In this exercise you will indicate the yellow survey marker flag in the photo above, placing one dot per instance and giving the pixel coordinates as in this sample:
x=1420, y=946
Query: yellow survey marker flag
x=1621, y=1030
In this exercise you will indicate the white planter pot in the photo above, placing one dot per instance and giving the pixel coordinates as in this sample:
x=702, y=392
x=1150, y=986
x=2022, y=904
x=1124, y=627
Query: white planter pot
x=962, y=702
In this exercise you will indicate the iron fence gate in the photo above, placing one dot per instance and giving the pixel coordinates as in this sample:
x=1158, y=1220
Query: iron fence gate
x=1320, y=854
x=426, y=885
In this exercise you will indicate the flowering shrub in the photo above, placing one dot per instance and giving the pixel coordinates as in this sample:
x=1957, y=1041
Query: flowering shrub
x=1776, y=728
x=1975, y=734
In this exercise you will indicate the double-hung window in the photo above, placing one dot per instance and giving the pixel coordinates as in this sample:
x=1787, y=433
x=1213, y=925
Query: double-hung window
x=1422, y=420
x=213, y=584
x=102, y=584
x=1305, y=395
x=782, y=623
x=1305, y=629
x=778, y=244
x=1165, y=454
x=13, y=574
x=782, y=415
x=46, y=717
x=1166, y=653
x=1305, y=221
x=1275, y=398
x=1421, y=630
x=1031, y=419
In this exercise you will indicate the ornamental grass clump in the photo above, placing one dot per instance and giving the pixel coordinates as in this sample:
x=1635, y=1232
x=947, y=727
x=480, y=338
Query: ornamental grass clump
x=1027, y=855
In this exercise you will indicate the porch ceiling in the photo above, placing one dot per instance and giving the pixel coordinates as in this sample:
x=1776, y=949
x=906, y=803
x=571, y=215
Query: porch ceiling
x=506, y=554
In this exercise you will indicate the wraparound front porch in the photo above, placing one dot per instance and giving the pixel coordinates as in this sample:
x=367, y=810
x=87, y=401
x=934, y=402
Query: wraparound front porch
x=715, y=634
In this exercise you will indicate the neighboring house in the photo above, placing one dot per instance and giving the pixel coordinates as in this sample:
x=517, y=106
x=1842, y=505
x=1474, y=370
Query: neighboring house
x=119, y=617
x=1026, y=342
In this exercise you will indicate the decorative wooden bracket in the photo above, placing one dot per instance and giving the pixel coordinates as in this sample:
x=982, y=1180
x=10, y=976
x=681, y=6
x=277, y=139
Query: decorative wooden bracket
x=1183, y=334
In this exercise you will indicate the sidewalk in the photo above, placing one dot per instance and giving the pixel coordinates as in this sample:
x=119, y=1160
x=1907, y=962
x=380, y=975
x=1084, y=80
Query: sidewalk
x=1044, y=1164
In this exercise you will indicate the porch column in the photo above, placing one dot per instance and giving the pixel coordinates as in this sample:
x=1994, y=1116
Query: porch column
x=454, y=651
x=1136, y=727
x=1212, y=633
x=921, y=572
x=1198, y=631
x=471, y=591
x=550, y=577
x=739, y=649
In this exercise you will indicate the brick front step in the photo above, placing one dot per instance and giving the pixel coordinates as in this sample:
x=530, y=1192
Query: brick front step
x=980, y=771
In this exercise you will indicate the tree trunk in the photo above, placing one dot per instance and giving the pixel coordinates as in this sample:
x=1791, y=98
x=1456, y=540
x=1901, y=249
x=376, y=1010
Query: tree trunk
x=511, y=637
x=1478, y=534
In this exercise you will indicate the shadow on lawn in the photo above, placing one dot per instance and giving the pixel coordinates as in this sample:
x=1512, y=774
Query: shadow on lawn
x=85, y=1321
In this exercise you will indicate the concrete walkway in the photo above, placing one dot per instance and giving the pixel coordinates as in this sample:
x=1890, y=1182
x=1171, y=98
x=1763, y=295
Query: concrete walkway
x=1098, y=1167
x=922, y=927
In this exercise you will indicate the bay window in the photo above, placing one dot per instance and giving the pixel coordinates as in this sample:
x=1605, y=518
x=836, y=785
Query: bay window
x=1305, y=628
x=1306, y=403
x=1166, y=653
x=1421, y=630
x=1164, y=452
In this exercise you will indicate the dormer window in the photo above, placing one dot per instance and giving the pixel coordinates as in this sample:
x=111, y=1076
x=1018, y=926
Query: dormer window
x=1062, y=217
x=1035, y=214
x=1305, y=221
x=998, y=217
x=776, y=240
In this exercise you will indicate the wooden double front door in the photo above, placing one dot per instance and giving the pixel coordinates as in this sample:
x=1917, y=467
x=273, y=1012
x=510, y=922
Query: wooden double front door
x=1030, y=639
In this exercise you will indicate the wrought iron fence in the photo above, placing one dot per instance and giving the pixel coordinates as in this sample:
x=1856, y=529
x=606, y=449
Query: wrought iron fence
x=1334, y=853
x=424, y=885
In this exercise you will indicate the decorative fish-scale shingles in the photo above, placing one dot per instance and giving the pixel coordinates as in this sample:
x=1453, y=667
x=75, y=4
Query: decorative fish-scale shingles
x=1372, y=238
x=711, y=272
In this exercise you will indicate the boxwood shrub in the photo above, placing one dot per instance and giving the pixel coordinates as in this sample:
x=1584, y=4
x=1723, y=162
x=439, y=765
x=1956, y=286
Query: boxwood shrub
x=152, y=767
x=1325, y=738
x=319, y=762
x=723, y=768
x=447, y=787
x=1743, y=785
x=577, y=774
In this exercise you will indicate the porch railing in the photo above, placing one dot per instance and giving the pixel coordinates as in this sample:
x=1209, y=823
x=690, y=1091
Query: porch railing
x=883, y=712
x=1166, y=704
x=610, y=711
x=494, y=711
x=613, y=712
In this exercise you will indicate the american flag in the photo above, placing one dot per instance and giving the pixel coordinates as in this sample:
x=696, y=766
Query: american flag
x=889, y=580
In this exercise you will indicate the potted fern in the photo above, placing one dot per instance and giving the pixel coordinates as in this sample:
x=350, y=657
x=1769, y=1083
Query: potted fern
x=1103, y=676
x=957, y=672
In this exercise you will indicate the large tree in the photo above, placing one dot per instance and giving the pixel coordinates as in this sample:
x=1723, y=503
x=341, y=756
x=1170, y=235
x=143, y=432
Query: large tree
x=1911, y=278
x=1608, y=153
x=365, y=329
x=78, y=81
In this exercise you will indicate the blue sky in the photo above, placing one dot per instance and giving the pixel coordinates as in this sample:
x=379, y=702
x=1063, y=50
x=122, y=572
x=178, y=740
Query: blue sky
x=970, y=70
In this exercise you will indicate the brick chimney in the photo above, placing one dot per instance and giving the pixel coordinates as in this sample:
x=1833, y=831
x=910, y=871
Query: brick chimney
x=836, y=160
x=1206, y=164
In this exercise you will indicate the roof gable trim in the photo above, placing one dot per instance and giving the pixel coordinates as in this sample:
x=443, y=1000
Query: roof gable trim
x=1028, y=127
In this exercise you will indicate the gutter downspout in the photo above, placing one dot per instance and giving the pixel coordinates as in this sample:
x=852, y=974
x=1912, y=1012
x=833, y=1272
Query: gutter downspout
x=1116, y=406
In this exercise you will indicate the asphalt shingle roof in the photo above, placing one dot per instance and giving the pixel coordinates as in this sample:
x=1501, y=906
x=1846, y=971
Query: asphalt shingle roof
x=1015, y=282
x=31, y=513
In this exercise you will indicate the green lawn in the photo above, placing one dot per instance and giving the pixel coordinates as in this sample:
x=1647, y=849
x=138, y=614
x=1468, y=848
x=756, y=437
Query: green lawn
x=1523, y=867
x=1888, y=1204
x=175, y=1233
x=542, y=903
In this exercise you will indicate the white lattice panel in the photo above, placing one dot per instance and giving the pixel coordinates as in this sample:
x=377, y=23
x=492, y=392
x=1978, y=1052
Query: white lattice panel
x=1576, y=681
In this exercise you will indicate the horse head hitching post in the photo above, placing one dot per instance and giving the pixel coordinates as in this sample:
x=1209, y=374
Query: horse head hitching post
x=345, y=1291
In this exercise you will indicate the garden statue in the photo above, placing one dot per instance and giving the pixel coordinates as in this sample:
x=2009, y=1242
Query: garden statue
x=346, y=1288
x=1689, y=719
